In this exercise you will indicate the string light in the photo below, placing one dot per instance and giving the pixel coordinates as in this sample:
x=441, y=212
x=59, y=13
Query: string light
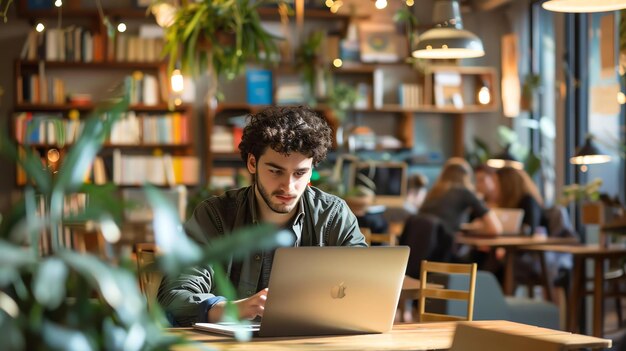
x=380, y=4
x=40, y=27
x=58, y=3
x=621, y=98
x=121, y=27
x=337, y=62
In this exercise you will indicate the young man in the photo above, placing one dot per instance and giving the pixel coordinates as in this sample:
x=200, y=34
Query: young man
x=280, y=146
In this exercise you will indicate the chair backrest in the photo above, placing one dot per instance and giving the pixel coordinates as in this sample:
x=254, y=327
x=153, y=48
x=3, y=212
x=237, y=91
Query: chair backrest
x=435, y=292
x=149, y=276
x=426, y=237
x=559, y=222
x=474, y=338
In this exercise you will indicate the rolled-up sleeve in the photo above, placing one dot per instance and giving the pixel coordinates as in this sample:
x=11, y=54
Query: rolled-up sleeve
x=187, y=298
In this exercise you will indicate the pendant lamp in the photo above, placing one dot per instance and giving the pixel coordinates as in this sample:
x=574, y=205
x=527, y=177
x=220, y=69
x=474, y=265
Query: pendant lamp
x=589, y=154
x=448, y=40
x=505, y=159
x=583, y=6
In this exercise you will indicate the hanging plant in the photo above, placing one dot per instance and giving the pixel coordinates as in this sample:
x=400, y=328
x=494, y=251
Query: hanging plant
x=217, y=35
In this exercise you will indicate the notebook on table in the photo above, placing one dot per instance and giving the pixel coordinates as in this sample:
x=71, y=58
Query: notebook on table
x=329, y=291
x=511, y=220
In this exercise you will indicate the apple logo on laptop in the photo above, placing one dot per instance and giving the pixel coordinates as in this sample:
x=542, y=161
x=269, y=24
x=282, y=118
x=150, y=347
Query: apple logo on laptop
x=338, y=291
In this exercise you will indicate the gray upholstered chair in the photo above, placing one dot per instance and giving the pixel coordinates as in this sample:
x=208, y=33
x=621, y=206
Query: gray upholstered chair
x=490, y=303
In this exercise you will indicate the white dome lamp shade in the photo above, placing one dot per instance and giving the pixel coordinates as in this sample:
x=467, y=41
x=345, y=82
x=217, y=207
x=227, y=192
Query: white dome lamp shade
x=584, y=6
x=589, y=154
x=448, y=40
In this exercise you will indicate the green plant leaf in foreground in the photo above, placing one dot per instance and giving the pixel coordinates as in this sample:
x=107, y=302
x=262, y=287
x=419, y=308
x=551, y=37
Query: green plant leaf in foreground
x=47, y=288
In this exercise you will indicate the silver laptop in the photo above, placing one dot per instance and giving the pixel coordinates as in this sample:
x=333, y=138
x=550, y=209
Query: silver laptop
x=329, y=291
x=511, y=220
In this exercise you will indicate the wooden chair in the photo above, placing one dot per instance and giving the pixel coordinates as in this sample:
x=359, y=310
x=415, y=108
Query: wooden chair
x=149, y=276
x=430, y=292
x=378, y=238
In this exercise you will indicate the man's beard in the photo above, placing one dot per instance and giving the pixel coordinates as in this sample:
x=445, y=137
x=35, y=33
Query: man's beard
x=267, y=199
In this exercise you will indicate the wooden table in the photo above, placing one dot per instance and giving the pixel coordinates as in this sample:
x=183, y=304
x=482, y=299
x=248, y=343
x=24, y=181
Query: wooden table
x=511, y=244
x=577, y=290
x=427, y=336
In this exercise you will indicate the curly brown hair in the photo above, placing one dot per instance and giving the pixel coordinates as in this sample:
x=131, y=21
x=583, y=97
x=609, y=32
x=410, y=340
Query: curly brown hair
x=286, y=130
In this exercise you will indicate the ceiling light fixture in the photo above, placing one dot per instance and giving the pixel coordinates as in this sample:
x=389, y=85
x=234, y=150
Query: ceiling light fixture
x=589, y=154
x=584, y=6
x=448, y=40
x=505, y=159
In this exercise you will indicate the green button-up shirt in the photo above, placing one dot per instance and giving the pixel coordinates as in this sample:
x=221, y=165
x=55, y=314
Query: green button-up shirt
x=322, y=220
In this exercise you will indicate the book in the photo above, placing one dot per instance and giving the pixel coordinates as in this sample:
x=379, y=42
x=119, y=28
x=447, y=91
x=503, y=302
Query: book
x=259, y=87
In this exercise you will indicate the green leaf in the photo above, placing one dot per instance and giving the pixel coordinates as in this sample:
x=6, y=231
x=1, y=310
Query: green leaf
x=532, y=164
x=180, y=251
x=118, y=287
x=10, y=333
x=29, y=161
x=507, y=135
x=15, y=256
x=49, y=283
x=193, y=24
x=81, y=155
x=62, y=338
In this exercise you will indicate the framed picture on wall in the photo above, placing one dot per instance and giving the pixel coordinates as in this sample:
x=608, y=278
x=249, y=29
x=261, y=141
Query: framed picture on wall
x=447, y=89
x=378, y=42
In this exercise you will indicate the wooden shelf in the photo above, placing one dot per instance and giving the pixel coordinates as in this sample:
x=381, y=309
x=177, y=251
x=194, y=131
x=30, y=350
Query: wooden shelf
x=114, y=65
x=89, y=107
x=114, y=146
x=69, y=11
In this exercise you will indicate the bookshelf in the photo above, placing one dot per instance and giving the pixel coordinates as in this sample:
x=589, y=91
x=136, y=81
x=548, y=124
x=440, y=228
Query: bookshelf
x=398, y=118
x=62, y=74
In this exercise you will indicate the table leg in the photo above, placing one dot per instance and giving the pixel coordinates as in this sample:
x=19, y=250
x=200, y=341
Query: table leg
x=598, y=300
x=576, y=292
x=509, y=277
x=546, y=277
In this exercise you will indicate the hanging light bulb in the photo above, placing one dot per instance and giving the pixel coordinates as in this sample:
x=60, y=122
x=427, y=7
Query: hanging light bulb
x=380, y=4
x=164, y=14
x=621, y=98
x=40, y=27
x=58, y=3
x=177, y=81
x=121, y=27
x=484, y=96
x=337, y=62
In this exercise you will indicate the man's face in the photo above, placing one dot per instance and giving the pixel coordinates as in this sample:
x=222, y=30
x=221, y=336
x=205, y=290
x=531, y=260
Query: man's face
x=281, y=179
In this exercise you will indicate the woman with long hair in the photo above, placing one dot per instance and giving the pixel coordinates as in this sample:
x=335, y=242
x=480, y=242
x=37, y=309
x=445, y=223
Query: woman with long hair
x=452, y=196
x=517, y=190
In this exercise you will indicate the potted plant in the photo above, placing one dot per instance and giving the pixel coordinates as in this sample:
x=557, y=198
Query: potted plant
x=62, y=299
x=218, y=36
x=532, y=82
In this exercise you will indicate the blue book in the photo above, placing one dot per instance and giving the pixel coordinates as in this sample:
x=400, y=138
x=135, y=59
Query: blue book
x=259, y=86
x=39, y=4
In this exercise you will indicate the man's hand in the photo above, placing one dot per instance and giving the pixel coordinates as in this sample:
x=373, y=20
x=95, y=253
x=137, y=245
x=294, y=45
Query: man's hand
x=248, y=308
